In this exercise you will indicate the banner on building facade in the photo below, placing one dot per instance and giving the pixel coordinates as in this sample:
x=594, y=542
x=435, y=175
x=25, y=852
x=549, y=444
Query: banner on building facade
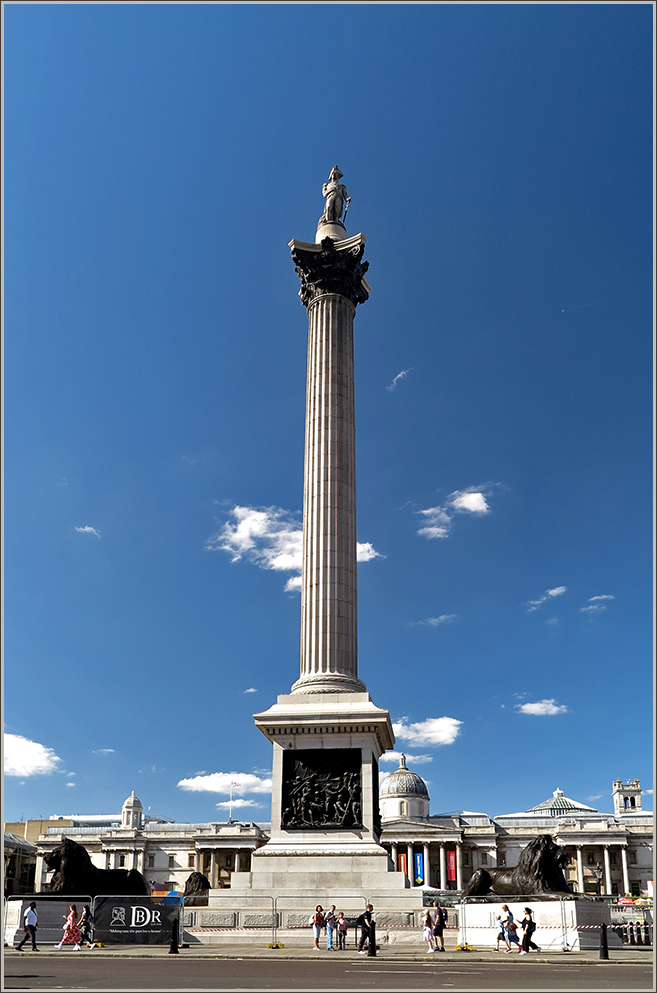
x=133, y=920
x=419, y=868
x=451, y=865
x=401, y=862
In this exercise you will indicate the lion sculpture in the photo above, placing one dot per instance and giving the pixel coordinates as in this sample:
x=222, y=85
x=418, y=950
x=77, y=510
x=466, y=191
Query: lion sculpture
x=539, y=870
x=76, y=874
x=196, y=890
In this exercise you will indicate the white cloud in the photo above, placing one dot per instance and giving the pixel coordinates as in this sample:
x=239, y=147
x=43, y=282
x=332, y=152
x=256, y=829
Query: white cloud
x=556, y=591
x=649, y=792
x=398, y=377
x=103, y=751
x=552, y=620
x=593, y=609
x=411, y=759
x=603, y=596
x=88, y=530
x=542, y=708
x=251, y=689
x=69, y=784
x=271, y=538
x=435, y=621
x=219, y=782
x=226, y=804
x=28, y=758
x=440, y=519
x=471, y=501
x=432, y=731
x=365, y=552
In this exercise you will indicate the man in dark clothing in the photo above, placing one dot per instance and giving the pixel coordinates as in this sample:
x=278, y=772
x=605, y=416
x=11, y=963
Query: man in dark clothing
x=365, y=928
x=439, y=921
x=30, y=927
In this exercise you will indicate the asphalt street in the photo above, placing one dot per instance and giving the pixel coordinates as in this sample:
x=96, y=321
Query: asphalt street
x=97, y=972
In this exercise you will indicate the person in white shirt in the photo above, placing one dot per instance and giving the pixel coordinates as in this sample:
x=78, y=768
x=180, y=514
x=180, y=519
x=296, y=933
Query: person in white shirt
x=30, y=927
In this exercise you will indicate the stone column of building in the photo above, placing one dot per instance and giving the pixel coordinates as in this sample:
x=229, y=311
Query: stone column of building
x=607, y=871
x=626, y=874
x=197, y=861
x=580, y=870
x=213, y=868
x=237, y=860
x=409, y=864
x=427, y=867
x=459, y=866
x=443, y=868
x=38, y=874
x=393, y=854
x=332, y=286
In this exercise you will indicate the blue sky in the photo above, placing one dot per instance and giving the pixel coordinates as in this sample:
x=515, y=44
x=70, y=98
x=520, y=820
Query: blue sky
x=158, y=159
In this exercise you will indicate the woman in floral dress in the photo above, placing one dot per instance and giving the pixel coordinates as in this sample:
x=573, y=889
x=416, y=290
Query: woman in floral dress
x=72, y=934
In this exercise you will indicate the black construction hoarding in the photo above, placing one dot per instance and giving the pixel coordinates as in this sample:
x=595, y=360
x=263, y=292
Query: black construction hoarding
x=133, y=920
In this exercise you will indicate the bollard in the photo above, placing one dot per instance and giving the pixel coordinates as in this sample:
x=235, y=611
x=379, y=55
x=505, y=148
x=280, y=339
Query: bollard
x=173, y=947
x=646, y=933
x=371, y=936
x=630, y=929
x=639, y=936
x=604, y=948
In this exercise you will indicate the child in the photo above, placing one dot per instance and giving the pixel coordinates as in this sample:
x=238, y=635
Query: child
x=343, y=927
x=427, y=932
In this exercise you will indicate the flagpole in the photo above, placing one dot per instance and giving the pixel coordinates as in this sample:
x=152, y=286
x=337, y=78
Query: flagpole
x=230, y=805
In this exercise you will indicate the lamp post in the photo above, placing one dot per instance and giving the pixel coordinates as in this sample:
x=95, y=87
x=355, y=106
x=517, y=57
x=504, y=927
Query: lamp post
x=598, y=875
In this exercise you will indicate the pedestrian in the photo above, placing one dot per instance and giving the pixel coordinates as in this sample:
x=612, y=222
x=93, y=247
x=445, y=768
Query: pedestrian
x=501, y=935
x=528, y=926
x=510, y=929
x=84, y=924
x=365, y=921
x=343, y=927
x=318, y=921
x=30, y=927
x=427, y=931
x=72, y=934
x=439, y=923
x=330, y=922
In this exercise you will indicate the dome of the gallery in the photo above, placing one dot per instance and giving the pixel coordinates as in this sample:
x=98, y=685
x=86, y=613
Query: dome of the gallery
x=403, y=783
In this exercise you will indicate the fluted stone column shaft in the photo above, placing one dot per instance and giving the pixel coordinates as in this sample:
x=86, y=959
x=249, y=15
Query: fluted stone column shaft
x=328, y=594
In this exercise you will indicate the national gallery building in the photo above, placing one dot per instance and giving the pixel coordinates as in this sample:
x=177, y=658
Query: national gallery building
x=611, y=854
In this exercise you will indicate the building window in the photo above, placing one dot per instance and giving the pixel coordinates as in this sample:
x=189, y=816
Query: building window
x=612, y=860
x=635, y=888
x=191, y=860
x=151, y=861
x=172, y=862
x=402, y=807
x=484, y=858
x=121, y=861
x=466, y=857
x=591, y=858
x=614, y=889
x=632, y=858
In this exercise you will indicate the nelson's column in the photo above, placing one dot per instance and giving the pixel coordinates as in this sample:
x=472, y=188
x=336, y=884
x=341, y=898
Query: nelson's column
x=327, y=735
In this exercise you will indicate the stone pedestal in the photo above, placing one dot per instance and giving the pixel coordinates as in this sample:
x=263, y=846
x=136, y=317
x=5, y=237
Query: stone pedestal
x=569, y=923
x=325, y=799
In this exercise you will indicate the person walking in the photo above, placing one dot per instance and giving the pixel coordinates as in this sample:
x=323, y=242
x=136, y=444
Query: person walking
x=427, y=932
x=84, y=925
x=501, y=935
x=318, y=920
x=528, y=926
x=72, y=934
x=330, y=922
x=30, y=927
x=343, y=927
x=439, y=923
x=365, y=922
x=510, y=929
